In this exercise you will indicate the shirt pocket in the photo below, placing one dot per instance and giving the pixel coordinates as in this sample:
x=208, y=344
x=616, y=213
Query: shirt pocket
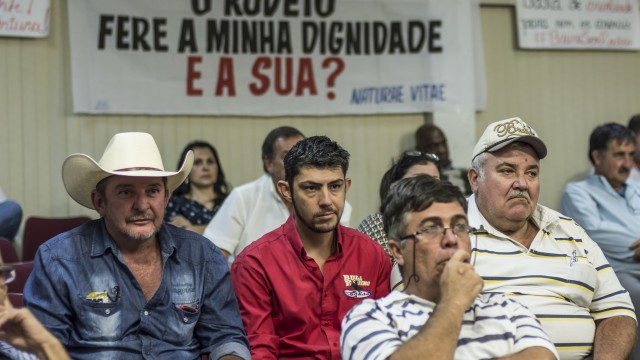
x=581, y=280
x=97, y=321
x=182, y=321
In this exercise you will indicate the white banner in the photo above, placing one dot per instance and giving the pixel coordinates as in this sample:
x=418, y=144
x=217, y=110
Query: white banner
x=578, y=24
x=275, y=57
x=24, y=18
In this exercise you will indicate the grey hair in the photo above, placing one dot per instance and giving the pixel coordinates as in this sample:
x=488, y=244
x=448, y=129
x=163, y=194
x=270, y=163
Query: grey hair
x=478, y=164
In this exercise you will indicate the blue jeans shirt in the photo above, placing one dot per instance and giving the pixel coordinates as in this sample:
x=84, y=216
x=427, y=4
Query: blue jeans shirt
x=83, y=292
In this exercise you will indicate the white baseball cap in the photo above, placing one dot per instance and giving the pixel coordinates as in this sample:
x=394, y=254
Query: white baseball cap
x=502, y=133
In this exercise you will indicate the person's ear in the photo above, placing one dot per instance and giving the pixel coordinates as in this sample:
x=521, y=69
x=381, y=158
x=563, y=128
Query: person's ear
x=473, y=176
x=347, y=184
x=597, y=157
x=284, y=190
x=98, y=202
x=396, y=251
x=167, y=196
x=268, y=164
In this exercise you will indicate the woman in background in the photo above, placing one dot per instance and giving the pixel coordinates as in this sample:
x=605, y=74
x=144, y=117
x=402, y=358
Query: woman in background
x=194, y=203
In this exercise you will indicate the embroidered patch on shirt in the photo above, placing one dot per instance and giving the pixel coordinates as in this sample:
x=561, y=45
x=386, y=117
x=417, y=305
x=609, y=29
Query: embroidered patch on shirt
x=356, y=282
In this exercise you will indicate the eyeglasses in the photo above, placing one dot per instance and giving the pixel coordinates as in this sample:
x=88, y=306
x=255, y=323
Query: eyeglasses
x=437, y=232
x=8, y=273
x=428, y=156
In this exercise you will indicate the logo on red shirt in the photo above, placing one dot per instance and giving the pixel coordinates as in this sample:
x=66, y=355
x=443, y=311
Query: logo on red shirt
x=356, y=282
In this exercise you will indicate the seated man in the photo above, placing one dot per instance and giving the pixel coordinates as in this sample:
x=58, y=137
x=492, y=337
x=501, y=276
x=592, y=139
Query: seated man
x=607, y=205
x=537, y=255
x=295, y=284
x=441, y=313
x=128, y=286
x=431, y=139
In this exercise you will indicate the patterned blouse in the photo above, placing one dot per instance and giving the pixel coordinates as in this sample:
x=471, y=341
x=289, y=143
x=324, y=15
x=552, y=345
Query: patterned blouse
x=196, y=213
x=373, y=227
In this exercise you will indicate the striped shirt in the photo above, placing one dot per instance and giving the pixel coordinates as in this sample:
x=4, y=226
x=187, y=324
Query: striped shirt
x=493, y=326
x=563, y=277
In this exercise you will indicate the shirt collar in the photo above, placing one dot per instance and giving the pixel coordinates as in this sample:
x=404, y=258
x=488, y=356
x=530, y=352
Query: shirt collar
x=291, y=233
x=542, y=217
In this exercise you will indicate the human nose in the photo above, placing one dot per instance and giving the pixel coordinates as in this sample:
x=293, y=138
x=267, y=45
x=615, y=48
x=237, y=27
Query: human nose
x=140, y=202
x=521, y=182
x=449, y=238
x=325, y=197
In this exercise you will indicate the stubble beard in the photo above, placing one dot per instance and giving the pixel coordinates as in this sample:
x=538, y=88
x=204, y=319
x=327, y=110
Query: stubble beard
x=311, y=226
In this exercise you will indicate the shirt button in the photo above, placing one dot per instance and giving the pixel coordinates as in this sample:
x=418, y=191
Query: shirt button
x=146, y=313
x=107, y=311
x=185, y=319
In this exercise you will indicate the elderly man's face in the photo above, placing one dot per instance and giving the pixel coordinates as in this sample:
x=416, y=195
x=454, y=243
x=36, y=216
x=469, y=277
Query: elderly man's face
x=132, y=207
x=508, y=192
x=615, y=163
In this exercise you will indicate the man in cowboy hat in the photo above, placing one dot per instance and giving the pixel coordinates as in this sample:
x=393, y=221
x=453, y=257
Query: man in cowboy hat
x=539, y=256
x=127, y=285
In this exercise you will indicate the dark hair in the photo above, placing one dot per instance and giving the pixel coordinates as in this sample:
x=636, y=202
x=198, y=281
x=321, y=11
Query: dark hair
x=603, y=134
x=399, y=169
x=422, y=134
x=220, y=187
x=634, y=124
x=269, y=142
x=415, y=194
x=316, y=151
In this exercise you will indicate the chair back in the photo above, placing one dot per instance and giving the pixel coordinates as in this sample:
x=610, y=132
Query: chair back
x=38, y=230
x=23, y=270
x=9, y=254
x=15, y=299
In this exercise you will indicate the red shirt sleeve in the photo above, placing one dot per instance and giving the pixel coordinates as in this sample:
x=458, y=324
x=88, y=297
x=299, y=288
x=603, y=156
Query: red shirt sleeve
x=253, y=293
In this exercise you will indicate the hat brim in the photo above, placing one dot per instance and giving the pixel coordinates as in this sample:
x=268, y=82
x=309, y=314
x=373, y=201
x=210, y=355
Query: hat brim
x=81, y=174
x=538, y=146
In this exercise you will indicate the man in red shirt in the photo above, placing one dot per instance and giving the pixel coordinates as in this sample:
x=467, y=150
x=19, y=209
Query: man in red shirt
x=295, y=284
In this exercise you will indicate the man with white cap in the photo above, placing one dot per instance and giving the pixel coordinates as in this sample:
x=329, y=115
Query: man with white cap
x=540, y=257
x=127, y=285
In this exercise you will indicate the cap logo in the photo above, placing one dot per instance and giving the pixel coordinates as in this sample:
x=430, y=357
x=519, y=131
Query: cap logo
x=513, y=127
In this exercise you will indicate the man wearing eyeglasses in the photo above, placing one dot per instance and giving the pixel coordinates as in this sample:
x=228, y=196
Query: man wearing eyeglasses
x=441, y=313
x=25, y=338
x=540, y=257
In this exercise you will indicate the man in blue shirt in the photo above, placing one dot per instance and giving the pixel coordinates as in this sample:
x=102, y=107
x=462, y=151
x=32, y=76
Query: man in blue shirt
x=127, y=285
x=607, y=205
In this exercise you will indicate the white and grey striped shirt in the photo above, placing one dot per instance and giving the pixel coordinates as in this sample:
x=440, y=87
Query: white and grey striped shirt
x=493, y=326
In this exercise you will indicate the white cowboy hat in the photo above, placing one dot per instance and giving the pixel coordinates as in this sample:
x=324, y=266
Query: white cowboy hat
x=127, y=154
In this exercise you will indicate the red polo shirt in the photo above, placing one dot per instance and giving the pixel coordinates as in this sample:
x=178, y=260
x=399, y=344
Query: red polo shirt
x=289, y=308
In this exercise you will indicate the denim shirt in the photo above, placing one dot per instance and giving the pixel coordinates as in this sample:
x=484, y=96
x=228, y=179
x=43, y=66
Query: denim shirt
x=83, y=292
